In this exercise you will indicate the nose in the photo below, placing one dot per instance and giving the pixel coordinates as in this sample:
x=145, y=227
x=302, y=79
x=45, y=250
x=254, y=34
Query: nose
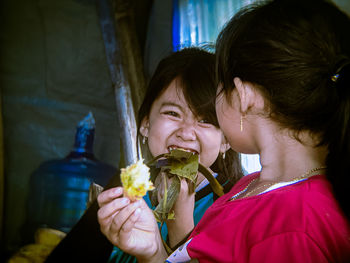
x=187, y=132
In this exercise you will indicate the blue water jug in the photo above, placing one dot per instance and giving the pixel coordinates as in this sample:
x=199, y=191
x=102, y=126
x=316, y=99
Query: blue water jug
x=59, y=189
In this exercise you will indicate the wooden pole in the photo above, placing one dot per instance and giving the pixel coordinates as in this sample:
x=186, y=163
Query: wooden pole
x=120, y=82
x=131, y=52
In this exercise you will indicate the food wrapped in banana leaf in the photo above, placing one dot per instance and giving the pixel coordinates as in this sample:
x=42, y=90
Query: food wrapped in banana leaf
x=176, y=165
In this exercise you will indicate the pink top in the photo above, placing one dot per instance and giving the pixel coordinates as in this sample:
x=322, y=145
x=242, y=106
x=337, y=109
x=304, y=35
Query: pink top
x=301, y=222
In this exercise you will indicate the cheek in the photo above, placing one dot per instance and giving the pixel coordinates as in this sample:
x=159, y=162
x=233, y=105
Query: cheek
x=153, y=147
x=157, y=137
x=211, y=144
x=223, y=122
x=226, y=117
x=219, y=107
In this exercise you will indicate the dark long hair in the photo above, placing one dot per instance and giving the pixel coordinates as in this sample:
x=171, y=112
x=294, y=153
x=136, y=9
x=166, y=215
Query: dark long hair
x=194, y=68
x=292, y=50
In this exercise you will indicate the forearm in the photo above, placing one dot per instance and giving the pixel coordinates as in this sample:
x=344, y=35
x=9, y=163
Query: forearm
x=179, y=229
x=183, y=224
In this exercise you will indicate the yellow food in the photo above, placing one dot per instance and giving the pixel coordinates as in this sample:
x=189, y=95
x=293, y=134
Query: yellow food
x=135, y=180
x=46, y=239
x=19, y=259
x=48, y=236
x=36, y=253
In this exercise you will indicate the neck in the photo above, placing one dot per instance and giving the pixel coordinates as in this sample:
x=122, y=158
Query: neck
x=284, y=159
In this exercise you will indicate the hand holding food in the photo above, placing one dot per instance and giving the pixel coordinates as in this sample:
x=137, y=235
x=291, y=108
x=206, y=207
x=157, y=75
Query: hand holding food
x=129, y=225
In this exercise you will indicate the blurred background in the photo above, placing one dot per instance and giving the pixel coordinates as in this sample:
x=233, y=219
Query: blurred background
x=56, y=67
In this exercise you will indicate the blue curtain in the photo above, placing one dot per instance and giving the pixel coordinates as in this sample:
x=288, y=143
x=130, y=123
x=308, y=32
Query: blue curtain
x=198, y=22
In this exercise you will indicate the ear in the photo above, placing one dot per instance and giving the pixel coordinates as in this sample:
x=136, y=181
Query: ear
x=144, y=127
x=225, y=146
x=247, y=95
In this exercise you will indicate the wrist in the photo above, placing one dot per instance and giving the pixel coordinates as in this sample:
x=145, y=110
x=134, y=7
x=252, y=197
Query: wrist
x=177, y=233
x=159, y=255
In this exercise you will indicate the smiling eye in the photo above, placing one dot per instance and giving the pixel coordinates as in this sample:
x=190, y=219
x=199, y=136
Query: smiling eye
x=172, y=113
x=205, y=122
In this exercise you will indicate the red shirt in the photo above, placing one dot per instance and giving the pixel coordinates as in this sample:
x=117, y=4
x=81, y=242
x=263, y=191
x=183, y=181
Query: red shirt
x=296, y=223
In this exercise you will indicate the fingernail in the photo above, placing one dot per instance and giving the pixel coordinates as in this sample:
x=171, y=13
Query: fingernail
x=118, y=191
x=124, y=201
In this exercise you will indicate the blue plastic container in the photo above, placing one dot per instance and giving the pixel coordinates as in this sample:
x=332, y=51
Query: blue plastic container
x=59, y=189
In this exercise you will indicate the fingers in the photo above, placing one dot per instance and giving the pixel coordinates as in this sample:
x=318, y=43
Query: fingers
x=110, y=204
x=112, y=207
x=125, y=219
x=129, y=224
x=118, y=215
x=109, y=195
x=186, y=198
x=186, y=187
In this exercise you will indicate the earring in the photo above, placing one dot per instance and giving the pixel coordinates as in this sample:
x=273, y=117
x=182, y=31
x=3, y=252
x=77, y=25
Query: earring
x=241, y=123
x=223, y=155
x=144, y=138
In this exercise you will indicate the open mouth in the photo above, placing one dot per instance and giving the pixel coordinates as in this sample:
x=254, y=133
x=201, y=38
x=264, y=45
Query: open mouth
x=173, y=147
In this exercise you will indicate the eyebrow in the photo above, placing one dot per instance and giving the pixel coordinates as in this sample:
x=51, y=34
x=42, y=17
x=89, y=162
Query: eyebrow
x=168, y=103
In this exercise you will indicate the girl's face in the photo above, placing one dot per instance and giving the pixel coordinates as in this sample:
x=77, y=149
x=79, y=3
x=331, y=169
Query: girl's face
x=171, y=124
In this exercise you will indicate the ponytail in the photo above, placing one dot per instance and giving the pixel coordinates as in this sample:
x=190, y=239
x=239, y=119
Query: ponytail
x=338, y=158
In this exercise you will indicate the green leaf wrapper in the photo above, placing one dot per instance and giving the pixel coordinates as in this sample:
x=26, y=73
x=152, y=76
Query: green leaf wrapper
x=162, y=211
x=181, y=164
x=186, y=168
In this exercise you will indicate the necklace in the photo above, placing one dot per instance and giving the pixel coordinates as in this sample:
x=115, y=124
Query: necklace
x=270, y=184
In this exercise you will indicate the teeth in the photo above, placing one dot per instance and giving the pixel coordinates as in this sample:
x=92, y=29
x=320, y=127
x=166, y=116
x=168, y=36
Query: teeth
x=186, y=150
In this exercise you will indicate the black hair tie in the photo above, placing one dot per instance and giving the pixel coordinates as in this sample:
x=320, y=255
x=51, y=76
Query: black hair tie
x=341, y=66
x=341, y=78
